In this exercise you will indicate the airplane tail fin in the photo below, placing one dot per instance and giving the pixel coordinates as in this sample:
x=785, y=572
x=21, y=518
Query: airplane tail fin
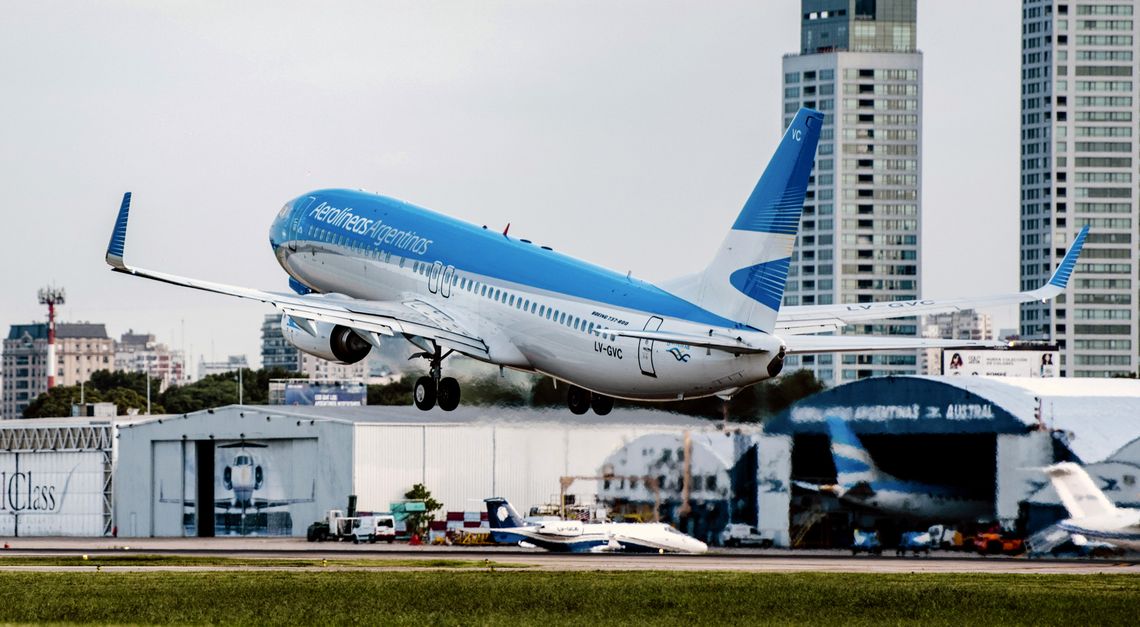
x=853, y=464
x=1078, y=491
x=501, y=514
x=745, y=281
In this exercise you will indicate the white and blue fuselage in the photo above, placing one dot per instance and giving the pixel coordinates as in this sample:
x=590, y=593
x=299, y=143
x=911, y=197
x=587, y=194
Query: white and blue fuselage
x=537, y=310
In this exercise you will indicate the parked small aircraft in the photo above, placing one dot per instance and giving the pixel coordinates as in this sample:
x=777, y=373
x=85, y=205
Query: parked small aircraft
x=574, y=536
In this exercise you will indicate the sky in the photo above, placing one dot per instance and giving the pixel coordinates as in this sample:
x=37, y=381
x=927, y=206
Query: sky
x=625, y=133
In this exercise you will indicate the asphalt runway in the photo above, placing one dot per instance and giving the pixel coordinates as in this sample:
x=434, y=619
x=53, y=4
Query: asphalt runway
x=741, y=560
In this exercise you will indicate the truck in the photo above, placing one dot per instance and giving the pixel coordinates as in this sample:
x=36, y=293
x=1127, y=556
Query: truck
x=369, y=528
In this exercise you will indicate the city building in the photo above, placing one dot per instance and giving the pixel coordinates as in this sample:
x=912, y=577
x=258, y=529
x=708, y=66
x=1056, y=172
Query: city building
x=966, y=324
x=859, y=237
x=231, y=364
x=81, y=348
x=1079, y=153
x=139, y=352
x=276, y=351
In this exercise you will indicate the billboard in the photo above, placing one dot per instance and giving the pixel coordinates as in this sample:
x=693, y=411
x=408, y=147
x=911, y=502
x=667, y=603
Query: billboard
x=1001, y=363
x=52, y=493
x=339, y=394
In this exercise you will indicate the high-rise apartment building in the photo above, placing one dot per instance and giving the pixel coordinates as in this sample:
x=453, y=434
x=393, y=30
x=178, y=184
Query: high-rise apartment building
x=1080, y=148
x=81, y=348
x=860, y=230
x=276, y=351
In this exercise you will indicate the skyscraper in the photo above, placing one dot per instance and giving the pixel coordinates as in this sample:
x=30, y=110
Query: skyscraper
x=1079, y=153
x=859, y=235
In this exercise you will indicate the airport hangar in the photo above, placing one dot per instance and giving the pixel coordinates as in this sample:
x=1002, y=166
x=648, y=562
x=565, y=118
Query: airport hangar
x=173, y=473
x=988, y=436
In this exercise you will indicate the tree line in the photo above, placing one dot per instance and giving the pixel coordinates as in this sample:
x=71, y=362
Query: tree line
x=127, y=390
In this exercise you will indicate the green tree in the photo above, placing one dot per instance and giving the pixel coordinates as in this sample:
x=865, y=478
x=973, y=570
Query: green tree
x=222, y=389
x=418, y=521
x=57, y=402
x=399, y=392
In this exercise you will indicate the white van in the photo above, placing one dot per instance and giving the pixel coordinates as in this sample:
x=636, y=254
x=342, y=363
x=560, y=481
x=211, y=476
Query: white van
x=380, y=527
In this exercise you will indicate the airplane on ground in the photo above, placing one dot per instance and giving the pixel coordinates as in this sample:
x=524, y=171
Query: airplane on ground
x=364, y=266
x=1091, y=515
x=575, y=536
x=859, y=481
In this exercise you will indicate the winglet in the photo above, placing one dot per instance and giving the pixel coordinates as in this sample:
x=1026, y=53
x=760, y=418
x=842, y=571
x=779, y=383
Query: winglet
x=117, y=247
x=1061, y=275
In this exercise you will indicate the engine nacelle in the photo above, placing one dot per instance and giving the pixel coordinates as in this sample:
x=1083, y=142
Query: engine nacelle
x=333, y=342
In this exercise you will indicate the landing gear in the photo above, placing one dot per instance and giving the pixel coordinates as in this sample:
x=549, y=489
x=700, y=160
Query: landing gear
x=581, y=401
x=601, y=404
x=424, y=393
x=448, y=394
x=433, y=388
x=578, y=400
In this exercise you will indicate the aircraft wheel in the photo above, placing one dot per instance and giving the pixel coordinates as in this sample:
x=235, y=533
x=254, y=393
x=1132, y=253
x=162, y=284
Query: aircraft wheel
x=602, y=404
x=578, y=400
x=424, y=393
x=448, y=396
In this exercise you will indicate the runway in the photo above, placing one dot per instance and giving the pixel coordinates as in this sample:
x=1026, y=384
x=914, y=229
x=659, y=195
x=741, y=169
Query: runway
x=739, y=560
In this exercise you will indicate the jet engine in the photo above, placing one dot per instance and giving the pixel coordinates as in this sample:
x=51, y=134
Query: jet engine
x=333, y=342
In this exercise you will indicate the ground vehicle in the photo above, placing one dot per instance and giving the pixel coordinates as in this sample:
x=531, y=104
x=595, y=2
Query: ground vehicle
x=947, y=538
x=866, y=541
x=372, y=528
x=737, y=534
x=994, y=543
x=915, y=541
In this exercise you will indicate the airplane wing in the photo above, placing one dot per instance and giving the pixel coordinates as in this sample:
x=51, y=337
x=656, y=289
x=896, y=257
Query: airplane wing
x=821, y=318
x=370, y=318
x=854, y=343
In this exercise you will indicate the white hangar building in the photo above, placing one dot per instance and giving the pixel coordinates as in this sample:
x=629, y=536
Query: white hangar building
x=272, y=470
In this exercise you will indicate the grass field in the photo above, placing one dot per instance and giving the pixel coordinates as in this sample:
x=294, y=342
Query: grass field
x=144, y=560
x=515, y=597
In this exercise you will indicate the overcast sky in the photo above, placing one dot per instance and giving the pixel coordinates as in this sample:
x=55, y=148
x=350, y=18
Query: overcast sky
x=626, y=133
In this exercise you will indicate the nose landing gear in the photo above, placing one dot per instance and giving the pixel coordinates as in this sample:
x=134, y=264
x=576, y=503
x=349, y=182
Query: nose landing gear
x=434, y=388
x=581, y=401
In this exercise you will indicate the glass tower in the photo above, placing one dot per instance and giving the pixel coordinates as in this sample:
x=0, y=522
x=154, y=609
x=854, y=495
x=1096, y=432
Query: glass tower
x=1079, y=161
x=860, y=232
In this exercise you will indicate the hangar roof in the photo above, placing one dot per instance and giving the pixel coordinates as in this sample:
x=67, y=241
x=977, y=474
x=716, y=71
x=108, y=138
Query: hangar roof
x=408, y=415
x=1094, y=416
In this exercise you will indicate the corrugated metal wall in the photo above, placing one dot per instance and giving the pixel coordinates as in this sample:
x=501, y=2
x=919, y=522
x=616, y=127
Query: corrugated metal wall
x=463, y=464
x=52, y=493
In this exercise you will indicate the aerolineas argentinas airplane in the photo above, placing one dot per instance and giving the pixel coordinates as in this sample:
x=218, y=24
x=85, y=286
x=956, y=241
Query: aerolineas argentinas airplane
x=366, y=266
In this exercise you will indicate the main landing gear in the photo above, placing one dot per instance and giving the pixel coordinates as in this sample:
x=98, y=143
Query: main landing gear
x=581, y=401
x=435, y=389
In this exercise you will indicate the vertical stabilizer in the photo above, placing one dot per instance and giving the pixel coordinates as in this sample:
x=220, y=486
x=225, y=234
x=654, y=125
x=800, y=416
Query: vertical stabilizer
x=853, y=464
x=745, y=281
x=501, y=515
x=1078, y=492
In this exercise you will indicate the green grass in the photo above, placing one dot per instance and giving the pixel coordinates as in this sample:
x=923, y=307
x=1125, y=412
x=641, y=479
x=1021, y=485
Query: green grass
x=143, y=560
x=566, y=598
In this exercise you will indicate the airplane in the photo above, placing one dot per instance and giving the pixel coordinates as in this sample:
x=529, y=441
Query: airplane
x=859, y=481
x=1092, y=517
x=363, y=267
x=575, y=536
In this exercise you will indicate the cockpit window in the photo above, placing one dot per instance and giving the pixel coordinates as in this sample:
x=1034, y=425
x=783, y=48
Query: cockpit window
x=670, y=529
x=242, y=460
x=284, y=210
